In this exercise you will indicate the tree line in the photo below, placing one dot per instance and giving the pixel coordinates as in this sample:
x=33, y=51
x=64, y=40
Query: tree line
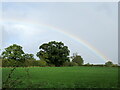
x=50, y=54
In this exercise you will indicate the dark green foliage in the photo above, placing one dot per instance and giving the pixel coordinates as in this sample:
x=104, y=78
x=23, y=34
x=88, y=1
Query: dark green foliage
x=54, y=53
x=70, y=64
x=11, y=63
x=0, y=57
x=41, y=63
x=8, y=63
x=29, y=62
x=114, y=65
x=13, y=52
x=14, y=56
x=77, y=59
x=0, y=62
x=87, y=64
x=66, y=64
x=109, y=63
x=28, y=56
x=73, y=64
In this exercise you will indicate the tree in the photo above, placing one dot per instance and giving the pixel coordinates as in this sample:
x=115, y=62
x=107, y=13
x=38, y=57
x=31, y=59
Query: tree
x=54, y=53
x=13, y=52
x=87, y=64
x=28, y=56
x=109, y=63
x=29, y=59
x=77, y=59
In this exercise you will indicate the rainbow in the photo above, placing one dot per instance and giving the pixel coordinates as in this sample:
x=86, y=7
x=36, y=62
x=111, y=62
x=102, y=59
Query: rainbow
x=79, y=40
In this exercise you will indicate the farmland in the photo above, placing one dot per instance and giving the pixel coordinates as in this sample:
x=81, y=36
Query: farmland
x=64, y=77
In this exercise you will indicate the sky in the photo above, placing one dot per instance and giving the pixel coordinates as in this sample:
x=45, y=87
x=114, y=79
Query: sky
x=88, y=28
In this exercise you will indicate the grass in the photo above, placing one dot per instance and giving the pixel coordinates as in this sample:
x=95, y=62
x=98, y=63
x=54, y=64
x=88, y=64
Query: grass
x=65, y=77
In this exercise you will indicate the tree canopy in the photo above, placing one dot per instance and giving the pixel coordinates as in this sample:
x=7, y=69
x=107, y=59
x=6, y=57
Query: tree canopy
x=28, y=56
x=13, y=52
x=108, y=63
x=51, y=54
x=77, y=59
x=54, y=53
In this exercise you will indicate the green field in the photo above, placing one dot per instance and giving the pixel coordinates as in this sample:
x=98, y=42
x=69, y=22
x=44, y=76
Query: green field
x=64, y=77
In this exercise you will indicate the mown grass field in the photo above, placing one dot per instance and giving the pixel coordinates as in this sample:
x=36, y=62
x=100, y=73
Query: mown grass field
x=65, y=77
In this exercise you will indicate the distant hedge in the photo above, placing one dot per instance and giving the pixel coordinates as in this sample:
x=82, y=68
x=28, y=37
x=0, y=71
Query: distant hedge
x=26, y=63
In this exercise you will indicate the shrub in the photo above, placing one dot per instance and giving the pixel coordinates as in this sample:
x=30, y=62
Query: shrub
x=73, y=64
x=29, y=63
x=10, y=63
x=109, y=63
x=70, y=64
x=51, y=65
x=42, y=63
x=87, y=64
x=66, y=64
x=114, y=65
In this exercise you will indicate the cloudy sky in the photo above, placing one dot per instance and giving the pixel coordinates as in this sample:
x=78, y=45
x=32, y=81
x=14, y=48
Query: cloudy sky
x=90, y=29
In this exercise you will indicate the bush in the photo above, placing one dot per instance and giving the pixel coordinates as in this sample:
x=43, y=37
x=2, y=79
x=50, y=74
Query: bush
x=87, y=64
x=114, y=65
x=70, y=64
x=29, y=62
x=109, y=63
x=26, y=63
x=4, y=63
x=11, y=63
x=41, y=63
x=73, y=64
x=66, y=64
x=51, y=65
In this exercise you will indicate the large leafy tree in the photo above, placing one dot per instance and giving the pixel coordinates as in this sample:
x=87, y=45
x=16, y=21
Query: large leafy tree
x=13, y=52
x=54, y=53
x=77, y=59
